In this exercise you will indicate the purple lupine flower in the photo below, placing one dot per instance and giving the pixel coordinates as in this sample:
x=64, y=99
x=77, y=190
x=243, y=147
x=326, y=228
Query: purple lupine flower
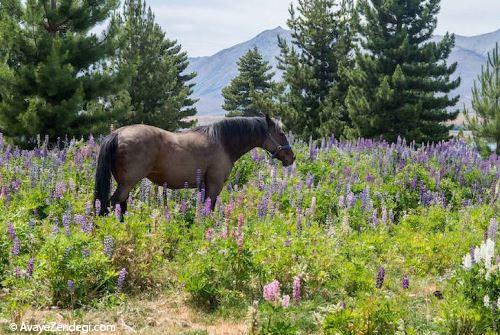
x=12, y=231
x=55, y=227
x=365, y=198
x=208, y=207
x=342, y=304
x=71, y=287
x=299, y=224
x=121, y=279
x=88, y=208
x=18, y=272
x=296, y=289
x=341, y=201
x=493, y=229
x=413, y=183
x=167, y=212
x=31, y=223
x=109, y=243
x=30, y=267
x=65, y=223
x=16, y=247
x=384, y=216
x=59, y=190
x=118, y=212
x=271, y=291
x=97, y=206
x=405, y=282
x=82, y=221
x=285, y=301
x=380, y=277
x=370, y=178
x=85, y=253
x=309, y=180
x=262, y=207
x=374, y=219
x=183, y=206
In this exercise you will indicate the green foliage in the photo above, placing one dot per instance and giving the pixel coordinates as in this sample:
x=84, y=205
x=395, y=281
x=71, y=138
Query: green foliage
x=159, y=88
x=376, y=316
x=485, y=122
x=315, y=87
x=401, y=82
x=213, y=280
x=4, y=255
x=53, y=67
x=62, y=259
x=252, y=92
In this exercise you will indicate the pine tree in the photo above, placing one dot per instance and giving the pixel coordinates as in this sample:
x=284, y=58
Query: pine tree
x=485, y=123
x=159, y=88
x=315, y=87
x=54, y=65
x=401, y=81
x=251, y=92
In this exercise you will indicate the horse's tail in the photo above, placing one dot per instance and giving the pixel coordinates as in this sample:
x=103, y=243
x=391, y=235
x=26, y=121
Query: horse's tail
x=105, y=165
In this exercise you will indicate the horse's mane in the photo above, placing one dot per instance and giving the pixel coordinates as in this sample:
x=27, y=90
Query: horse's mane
x=236, y=133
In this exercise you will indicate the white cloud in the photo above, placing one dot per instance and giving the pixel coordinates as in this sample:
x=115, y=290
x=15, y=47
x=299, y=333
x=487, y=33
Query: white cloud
x=207, y=26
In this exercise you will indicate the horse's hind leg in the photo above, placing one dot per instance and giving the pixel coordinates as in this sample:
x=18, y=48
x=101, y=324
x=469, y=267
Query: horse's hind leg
x=120, y=197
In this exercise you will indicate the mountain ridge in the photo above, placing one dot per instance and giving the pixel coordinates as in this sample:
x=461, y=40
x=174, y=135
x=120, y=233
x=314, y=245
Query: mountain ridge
x=216, y=71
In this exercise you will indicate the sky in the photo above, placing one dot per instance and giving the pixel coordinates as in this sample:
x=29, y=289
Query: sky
x=204, y=27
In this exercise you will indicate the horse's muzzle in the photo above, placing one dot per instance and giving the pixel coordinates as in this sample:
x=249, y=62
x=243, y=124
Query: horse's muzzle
x=288, y=160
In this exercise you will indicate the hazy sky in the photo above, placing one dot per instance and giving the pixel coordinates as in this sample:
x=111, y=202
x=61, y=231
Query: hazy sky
x=204, y=27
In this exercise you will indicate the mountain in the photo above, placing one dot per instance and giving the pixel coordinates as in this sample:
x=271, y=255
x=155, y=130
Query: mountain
x=216, y=71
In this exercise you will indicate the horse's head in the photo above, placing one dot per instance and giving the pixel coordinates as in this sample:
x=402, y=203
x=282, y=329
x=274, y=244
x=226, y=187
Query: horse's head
x=277, y=144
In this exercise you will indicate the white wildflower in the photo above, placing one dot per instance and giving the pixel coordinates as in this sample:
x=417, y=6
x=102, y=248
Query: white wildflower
x=477, y=255
x=489, y=253
x=486, y=301
x=467, y=262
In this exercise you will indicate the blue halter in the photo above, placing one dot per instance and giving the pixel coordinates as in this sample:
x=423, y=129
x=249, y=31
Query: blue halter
x=279, y=147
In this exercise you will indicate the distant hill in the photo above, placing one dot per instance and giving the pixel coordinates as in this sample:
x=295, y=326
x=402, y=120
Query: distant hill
x=216, y=71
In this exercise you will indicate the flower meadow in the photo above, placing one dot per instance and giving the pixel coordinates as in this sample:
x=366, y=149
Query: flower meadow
x=357, y=237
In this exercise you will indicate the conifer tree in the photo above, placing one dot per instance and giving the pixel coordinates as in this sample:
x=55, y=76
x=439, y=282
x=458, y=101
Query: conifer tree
x=485, y=122
x=251, y=92
x=401, y=83
x=315, y=87
x=159, y=88
x=54, y=67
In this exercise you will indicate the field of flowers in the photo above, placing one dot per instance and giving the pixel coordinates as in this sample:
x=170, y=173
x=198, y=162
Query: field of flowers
x=357, y=237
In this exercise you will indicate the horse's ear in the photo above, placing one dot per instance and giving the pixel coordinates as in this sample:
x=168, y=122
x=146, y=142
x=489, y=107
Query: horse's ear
x=269, y=121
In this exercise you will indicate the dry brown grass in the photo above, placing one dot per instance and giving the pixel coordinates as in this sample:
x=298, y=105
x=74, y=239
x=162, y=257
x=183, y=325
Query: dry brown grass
x=160, y=315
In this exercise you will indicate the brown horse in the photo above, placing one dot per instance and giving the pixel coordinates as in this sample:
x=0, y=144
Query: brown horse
x=205, y=153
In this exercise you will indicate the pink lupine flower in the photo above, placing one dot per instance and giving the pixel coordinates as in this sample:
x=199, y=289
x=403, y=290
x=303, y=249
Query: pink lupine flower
x=285, y=301
x=271, y=291
x=296, y=289
x=209, y=234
